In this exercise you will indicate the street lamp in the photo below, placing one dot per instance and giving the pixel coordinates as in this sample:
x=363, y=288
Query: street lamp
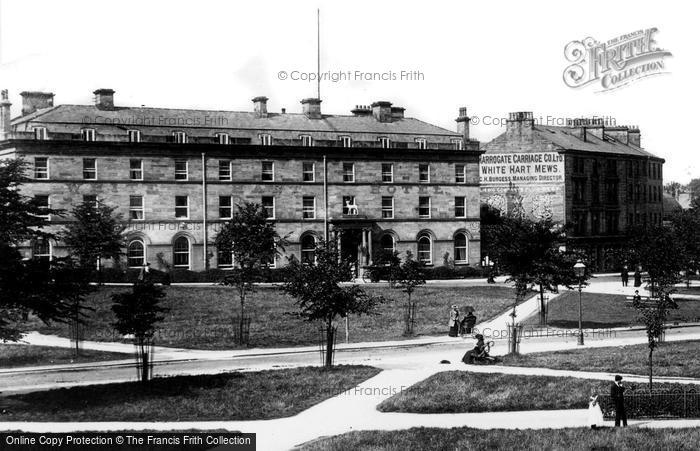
x=580, y=270
x=488, y=263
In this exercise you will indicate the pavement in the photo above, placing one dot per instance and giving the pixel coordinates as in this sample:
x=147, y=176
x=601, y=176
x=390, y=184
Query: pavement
x=404, y=363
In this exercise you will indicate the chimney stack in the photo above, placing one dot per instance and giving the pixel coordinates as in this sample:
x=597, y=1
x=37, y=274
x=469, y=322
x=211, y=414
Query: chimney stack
x=463, y=124
x=634, y=137
x=35, y=100
x=104, y=99
x=520, y=125
x=312, y=108
x=382, y=111
x=260, y=106
x=5, y=117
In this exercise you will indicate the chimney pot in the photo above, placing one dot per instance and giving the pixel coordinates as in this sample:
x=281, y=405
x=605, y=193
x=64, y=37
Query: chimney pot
x=35, y=100
x=104, y=99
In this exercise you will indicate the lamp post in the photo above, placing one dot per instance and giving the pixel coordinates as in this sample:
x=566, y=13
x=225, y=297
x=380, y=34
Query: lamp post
x=580, y=270
x=488, y=263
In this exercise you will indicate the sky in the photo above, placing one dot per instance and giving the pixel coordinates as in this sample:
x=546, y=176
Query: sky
x=492, y=57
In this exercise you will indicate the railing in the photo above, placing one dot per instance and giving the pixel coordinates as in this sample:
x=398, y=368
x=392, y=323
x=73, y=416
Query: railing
x=675, y=403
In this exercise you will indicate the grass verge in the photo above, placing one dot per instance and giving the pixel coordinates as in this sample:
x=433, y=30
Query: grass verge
x=461, y=392
x=201, y=317
x=605, y=310
x=434, y=439
x=228, y=396
x=16, y=355
x=672, y=358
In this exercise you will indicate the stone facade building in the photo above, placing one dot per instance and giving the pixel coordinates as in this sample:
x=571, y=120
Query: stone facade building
x=592, y=176
x=372, y=179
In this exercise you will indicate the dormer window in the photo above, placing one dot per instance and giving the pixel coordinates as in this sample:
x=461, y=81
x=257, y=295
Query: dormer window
x=457, y=144
x=134, y=136
x=223, y=138
x=180, y=137
x=346, y=141
x=384, y=142
x=265, y=140
x=421, y=143
x=40, y=133
x=87, y=134
x=306, y=140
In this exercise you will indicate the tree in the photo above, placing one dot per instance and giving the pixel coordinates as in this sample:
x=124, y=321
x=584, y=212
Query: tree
x=686, y=228
x=653, y=315
x=26, y=286
x=319, y=295
x=529, y=251
x=410, y=276
x=694, y=188
x=253, y=241
x=658, y=251
x=138, y=312
x=96, y=233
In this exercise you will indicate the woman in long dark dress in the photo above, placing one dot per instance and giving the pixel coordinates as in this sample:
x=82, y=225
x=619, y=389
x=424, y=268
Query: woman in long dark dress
x=454, y=322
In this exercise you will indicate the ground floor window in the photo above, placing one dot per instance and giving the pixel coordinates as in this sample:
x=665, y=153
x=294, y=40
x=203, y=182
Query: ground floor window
x=181, y=252
x=136, y=254
x=387, y=243
x=41, y=249
x=224, y=257
x=308, y=249
x=425, y=249
x=461, y=248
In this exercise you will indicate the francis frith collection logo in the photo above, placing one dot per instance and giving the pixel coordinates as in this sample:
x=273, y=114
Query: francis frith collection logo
x=614, y=63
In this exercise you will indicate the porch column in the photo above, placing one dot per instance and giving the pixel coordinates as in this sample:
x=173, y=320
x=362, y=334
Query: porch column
x=369, y=247
x=364, y=246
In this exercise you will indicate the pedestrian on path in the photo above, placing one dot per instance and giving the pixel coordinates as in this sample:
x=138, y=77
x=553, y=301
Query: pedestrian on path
x=624, y=275
x=454, y=322
x=617, y=393
x=595, y=414
x=637, y=277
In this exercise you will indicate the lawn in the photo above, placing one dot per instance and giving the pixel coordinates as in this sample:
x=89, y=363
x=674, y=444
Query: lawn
x=672, y=358
x=570, y=439
x=201, y=317
x=228, y=396
x=461, y=391
x=15, y=355
x=605, y=310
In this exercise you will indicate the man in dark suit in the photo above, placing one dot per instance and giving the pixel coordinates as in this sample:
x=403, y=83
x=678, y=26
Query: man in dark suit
x=617, y=393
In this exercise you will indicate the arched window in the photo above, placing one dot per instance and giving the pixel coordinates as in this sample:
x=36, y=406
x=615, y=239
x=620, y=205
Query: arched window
x=308, y=249
x=41, y=249
x=136, y=253
x=181, y=252
x=425, y=249
x=461, y=248
x=387, y=243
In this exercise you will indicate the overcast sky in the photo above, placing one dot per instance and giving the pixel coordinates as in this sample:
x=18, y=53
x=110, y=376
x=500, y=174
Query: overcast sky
x=492, y=57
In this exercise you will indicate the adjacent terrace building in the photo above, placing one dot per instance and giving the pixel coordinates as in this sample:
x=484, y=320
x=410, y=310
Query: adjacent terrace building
x=373, y=179
x=593, y=176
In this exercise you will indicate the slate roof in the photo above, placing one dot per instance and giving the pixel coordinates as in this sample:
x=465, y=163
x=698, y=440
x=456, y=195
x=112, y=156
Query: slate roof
x=565, y=138
x=162, y=121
